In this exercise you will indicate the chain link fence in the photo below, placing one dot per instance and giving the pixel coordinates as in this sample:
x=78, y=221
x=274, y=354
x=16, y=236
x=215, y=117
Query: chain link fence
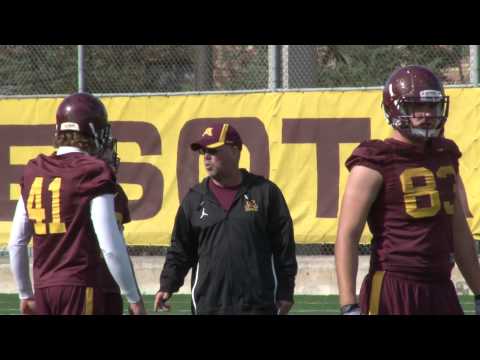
x=38, y=69
x=331, y=66
x=175, y=68
x=44, y=70
x=29, y=70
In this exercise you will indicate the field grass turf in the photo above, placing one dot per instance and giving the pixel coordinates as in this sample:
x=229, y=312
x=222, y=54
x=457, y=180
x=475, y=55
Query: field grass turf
x=304, y=305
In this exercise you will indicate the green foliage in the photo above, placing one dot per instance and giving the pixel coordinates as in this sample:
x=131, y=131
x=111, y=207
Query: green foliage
x=52, y=69
x=138, y=68
x=243, y=67
x=36, y=69
x=370, y=65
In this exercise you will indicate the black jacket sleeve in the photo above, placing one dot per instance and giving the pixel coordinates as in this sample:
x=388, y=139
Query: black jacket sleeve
x=280, y=229
x=180, y=255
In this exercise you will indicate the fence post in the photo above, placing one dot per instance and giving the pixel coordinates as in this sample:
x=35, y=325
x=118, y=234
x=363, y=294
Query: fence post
x=80, y=68
x=285, y=66
x=274, y=67
x=203, y=67
x=474, y=65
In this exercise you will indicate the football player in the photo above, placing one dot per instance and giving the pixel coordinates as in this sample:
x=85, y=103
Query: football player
x=67, y=205
x=405, y=188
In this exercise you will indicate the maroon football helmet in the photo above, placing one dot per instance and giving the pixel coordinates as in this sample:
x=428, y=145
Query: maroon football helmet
x=408, y=87
x=85, y=113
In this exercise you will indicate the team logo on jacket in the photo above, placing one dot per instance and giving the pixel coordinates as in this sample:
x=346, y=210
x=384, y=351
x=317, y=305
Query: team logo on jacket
x=250, y=205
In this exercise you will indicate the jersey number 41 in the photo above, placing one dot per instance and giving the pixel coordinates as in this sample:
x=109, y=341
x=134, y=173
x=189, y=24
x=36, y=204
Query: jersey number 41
x=36, y=209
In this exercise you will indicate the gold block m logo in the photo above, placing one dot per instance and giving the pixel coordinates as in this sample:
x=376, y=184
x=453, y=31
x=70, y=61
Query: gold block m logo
x=208, y=131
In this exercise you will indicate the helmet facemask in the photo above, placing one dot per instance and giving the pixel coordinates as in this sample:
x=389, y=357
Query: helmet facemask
x=109, y=154
x=437, y=107
x=101, y=138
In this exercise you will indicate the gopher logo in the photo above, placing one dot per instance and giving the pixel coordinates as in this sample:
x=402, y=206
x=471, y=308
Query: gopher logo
x=250, y=205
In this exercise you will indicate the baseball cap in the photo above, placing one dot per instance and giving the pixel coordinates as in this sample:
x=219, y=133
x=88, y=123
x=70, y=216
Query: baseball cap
x=217, y=135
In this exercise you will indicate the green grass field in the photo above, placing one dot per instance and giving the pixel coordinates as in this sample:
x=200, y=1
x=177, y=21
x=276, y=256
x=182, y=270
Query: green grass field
x=304, y=305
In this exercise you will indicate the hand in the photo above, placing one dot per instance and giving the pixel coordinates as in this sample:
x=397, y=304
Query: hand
x=137, y=308
x=477, y=304
x=283, y=307
x=350, y=309
x=161, y=299
x=27, y=307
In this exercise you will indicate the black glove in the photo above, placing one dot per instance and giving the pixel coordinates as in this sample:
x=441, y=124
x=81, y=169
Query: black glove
x=354, y=309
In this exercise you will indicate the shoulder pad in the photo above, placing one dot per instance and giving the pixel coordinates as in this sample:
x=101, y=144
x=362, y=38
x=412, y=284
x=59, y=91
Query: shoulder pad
x=370, y=153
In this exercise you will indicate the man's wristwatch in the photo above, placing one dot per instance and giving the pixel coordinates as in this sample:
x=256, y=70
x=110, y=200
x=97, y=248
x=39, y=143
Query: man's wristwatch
x=350, y=309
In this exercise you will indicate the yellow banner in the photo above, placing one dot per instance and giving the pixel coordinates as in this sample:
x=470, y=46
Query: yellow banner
x=299, y=140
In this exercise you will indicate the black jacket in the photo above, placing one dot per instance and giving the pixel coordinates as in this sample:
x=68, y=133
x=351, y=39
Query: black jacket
x=243, y=260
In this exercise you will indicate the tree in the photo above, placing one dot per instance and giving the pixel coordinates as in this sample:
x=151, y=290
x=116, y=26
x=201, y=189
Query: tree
x=370, y=65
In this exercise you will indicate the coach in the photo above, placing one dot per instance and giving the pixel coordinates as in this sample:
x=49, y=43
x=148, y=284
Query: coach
x=235, y=231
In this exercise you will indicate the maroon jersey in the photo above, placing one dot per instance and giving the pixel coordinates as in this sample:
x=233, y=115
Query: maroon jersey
x=411, y=218
x=57, y=191
x=122, y=214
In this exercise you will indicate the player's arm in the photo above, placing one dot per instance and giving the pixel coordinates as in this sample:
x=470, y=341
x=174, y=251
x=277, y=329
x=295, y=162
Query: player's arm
x=136, y=284
x=464, y=246
x=462, y=194
x=361, y=191
x=18, y=251
x=121, y=228
x=114, y=249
